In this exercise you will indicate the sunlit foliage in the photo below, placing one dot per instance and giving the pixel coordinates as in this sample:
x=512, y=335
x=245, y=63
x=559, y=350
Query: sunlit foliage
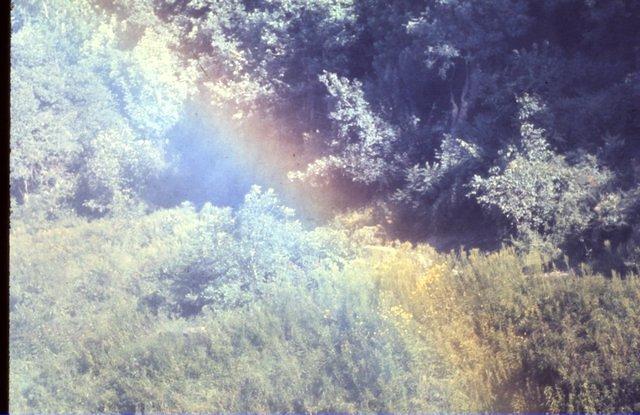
x=220, y=315
x=81, y=140
x=194, y=311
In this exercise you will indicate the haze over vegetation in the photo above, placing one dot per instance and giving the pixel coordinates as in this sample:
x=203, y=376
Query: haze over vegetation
x=328, y=205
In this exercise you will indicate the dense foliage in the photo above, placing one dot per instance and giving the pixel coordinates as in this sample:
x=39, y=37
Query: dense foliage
x=197, y=311
x=449, y=117
x=407, y=102
x=187, y=311
x=457, y=123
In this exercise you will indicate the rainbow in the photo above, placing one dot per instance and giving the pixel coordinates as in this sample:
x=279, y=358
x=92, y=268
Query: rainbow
x=270, y=150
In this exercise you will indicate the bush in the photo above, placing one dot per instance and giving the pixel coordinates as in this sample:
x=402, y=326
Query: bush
x=525, y=340
x=193, y=311
x=214, y=310
x=545, y=198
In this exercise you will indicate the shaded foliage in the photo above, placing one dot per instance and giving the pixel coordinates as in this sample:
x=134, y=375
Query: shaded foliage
x=402, y=79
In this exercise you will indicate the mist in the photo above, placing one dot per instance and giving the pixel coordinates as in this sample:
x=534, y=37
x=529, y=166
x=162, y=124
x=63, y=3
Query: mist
x=202, y=167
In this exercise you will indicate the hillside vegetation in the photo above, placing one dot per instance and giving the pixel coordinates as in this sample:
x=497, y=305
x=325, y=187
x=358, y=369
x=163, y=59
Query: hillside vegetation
x=465, y=177
x=192, y=311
